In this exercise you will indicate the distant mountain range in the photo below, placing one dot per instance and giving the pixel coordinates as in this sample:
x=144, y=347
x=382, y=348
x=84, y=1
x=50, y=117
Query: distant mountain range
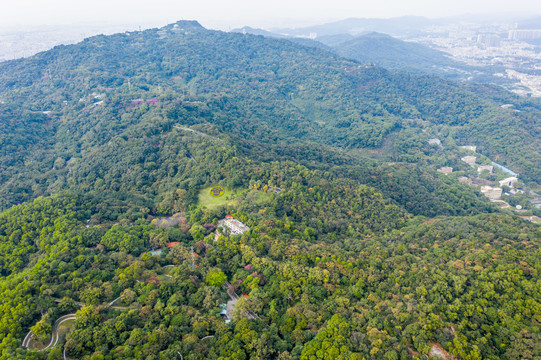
x=403, y=26
x=382, y=50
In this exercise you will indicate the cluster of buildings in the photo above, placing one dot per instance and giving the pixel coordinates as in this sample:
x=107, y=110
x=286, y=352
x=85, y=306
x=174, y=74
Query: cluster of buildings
x=525, y=34
x=494, y=193
x=499, y=44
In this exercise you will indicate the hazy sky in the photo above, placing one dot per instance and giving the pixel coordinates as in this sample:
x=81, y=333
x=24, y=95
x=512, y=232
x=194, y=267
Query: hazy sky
x=234, y=13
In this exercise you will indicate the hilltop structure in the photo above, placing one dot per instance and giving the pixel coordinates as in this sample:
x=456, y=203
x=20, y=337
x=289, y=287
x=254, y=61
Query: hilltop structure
x=482, y=168
x=446, y=170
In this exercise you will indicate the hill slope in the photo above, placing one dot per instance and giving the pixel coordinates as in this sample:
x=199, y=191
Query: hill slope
x=325, y=160
x=255, y=89
x=391, y=53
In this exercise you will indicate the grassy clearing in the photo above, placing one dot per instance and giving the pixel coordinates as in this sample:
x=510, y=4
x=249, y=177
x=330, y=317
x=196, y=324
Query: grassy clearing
x=231, y=197
x=211, y=202
x=36, y=345
x=258, y=197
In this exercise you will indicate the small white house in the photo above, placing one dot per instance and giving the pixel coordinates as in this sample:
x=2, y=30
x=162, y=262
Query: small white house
x=446, y=170
x=235, y=226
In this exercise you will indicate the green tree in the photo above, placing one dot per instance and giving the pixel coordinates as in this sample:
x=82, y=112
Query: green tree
x=215, y=278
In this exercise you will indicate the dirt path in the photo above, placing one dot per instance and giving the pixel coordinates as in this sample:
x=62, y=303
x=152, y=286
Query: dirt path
x=231, y=303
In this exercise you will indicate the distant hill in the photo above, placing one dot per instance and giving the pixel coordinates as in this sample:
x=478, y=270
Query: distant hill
x=405, y=25
x=385, y=51
x=392, y=53
x=257, y=31
x=299, y=40
x=335, y=40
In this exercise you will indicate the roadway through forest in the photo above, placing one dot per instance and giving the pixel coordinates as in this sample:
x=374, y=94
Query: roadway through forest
x=195, y=132
x=55, y=337
x=234, y=298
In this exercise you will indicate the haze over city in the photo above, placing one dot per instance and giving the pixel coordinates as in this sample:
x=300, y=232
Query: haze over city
x=236, y=13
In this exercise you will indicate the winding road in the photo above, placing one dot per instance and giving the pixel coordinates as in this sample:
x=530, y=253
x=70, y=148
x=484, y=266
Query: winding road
x=55, y=338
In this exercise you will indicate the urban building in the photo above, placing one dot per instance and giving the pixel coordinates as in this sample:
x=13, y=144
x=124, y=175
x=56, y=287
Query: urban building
x=488, y=40
x=524, y=34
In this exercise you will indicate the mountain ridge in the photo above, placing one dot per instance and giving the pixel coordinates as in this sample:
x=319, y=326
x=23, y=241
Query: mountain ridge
x=155, y=64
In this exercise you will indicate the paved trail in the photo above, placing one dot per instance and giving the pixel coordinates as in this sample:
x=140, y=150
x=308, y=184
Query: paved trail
x=55, y=336
x=195, y=132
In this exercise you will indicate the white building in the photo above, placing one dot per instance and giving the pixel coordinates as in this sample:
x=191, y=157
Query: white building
x=491, y=192
x=482, y=168
x=470, y=160
x=510, y=181
x=526, y=34
x=235, y=226
x=434, y=141
x=446, y=170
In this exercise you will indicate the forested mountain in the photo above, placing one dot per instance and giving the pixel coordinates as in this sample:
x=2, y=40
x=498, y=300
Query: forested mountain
x=388, y=52
x=391, y=53
x=357, y=248
x=255, y=89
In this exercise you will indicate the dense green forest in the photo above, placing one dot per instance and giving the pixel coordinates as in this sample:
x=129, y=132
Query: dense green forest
x=252, y=90
x=357, y=248
x=323, y=276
